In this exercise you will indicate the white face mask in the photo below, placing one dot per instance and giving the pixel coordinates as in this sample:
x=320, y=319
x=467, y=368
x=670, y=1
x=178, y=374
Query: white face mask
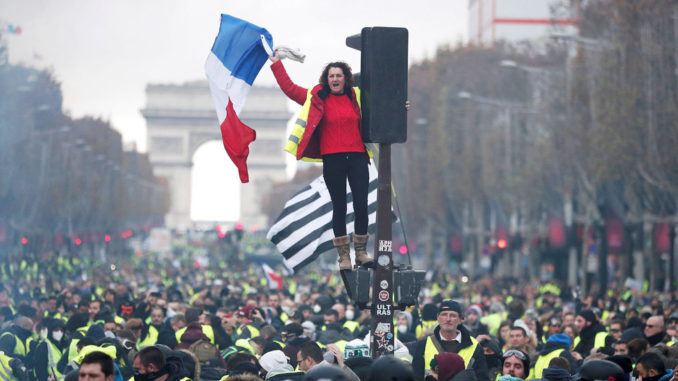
x=43, y=333
x=350, y=315
x=57, y=335
x=316, y=308
x=402, y=328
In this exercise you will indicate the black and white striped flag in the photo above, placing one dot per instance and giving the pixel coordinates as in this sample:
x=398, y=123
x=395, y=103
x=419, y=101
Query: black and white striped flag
x=303, y=230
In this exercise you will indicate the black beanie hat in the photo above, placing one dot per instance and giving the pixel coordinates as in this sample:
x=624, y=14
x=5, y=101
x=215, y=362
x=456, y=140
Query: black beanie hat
x=588, y=315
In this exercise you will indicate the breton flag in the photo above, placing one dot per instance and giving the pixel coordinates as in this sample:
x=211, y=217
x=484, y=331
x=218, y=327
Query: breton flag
x=303, y=230
x=238, y=53
x=275, y=281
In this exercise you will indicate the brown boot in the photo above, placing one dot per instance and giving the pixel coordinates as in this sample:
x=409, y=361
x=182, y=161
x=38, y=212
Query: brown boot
x=360, y=245
x=343, y=245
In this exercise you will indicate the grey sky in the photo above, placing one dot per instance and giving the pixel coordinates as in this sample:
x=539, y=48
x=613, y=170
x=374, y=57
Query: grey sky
x=105, y=52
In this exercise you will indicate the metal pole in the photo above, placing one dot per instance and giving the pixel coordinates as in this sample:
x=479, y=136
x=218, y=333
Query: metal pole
x=382, y=286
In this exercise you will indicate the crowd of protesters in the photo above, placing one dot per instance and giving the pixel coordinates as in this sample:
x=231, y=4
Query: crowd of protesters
x=149, y=318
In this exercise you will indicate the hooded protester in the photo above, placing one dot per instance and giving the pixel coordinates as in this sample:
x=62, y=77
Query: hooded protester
x=15, y=342
x=49, y=350
x=592, y=334
x=277, y=367
x=557, y=345
x=404, y=327
x=492, y=357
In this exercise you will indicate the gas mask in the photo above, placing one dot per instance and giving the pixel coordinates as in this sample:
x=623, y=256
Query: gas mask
x=350, y=314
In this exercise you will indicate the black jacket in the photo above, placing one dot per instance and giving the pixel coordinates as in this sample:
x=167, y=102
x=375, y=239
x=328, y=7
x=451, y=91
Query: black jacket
x=588, y=338
x=418, y=348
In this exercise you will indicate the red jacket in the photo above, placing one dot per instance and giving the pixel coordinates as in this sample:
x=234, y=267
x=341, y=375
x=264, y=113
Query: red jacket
x=309, y=145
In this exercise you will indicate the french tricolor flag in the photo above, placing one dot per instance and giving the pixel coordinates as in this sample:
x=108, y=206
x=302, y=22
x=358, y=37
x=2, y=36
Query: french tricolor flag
x=275, y=281
x=238, y=53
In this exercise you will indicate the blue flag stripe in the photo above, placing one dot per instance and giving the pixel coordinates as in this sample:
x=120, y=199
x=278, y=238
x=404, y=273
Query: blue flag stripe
x=238, y=47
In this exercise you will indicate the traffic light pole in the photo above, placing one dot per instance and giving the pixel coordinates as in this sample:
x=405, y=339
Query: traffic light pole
x=383, y=335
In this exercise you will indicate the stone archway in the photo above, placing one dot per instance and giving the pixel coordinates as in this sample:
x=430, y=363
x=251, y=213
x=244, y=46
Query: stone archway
x=180, y=118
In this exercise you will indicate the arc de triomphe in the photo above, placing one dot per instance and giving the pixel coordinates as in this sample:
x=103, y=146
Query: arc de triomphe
x=180, y=118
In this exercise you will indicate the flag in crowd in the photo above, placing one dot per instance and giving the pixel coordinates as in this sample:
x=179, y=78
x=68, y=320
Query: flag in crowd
x=238, y=53
x=12, y=29
x=303, y=230
x=275, y=281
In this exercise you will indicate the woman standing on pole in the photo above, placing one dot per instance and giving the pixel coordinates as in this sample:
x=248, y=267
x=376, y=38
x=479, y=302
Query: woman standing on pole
x=328, y=129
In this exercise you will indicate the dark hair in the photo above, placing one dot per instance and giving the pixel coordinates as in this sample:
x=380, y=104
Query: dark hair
x=104, y=360
x=348, y=76
x=637, y=347
x=238, y=358
x=332, y=312
x=516, y=328
x=152, y=355
x=312, y=350
x=651, y=360
x=560, y=362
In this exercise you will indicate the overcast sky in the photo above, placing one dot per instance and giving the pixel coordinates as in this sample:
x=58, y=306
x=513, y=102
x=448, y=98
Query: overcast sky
x=104, y=53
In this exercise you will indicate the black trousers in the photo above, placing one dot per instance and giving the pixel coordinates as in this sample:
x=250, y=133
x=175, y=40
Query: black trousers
x=337, y=167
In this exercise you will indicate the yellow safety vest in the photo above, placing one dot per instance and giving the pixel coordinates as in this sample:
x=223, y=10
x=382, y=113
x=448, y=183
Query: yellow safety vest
x=20, y=348
x=598, y=342
x=352, y=326
x=493, y=321
x=300, y=126
x=425, y=325
x=341, y=344
x=430, y=351
x=150, y=339
x=543, y=363
x=206, y=329
x=244, y=343
x=73, y=349
x=254, y=332
x=53, y=356
x=5, y=368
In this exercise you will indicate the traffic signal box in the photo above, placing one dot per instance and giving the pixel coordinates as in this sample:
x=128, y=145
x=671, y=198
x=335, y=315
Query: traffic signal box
x=383, y=93
x=383, y=83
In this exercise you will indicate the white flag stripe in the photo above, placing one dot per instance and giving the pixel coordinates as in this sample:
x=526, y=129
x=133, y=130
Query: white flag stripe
x=304, y=228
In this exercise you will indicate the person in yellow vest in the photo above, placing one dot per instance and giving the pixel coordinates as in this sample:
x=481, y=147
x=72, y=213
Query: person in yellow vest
x=49, y=350
x=328, y=129
x=249, y=320
x=557, y=345
x=150, y=334
x=449, y=336
x=592, y=334
x=275, y=315
x=15, y=341
x=196, y=315
x=12, y=369
x=428, y=320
